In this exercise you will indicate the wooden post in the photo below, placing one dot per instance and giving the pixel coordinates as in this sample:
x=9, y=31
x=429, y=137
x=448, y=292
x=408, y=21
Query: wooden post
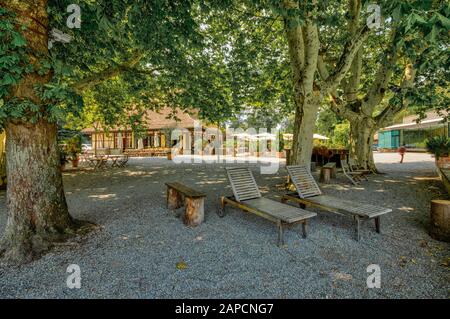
x=325, y=175
x=304, y=227
x=378, y=224
x=358, y=224
x=174, y=198
x=194, y=213
x=440, y=220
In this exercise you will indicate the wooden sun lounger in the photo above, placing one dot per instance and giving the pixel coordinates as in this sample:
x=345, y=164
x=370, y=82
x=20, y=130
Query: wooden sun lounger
x=309, y=194
x=248, y=198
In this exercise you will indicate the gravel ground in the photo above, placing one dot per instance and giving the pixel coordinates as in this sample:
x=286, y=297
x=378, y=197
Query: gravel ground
x=144, y=251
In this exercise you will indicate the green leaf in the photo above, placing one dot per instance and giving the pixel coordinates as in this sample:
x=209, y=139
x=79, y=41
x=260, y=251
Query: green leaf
x=444, y=20
x=8, y=80
x=432, y=36
x=18, y=40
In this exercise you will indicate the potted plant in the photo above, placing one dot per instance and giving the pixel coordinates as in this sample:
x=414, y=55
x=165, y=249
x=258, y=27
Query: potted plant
x=439, y=146
x=73, y=150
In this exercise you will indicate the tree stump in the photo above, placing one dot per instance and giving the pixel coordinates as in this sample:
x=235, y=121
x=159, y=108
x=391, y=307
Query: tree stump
x=325, y=175
x=194, y=213
x=333, y=172
x=440, y=220
x=174, y=198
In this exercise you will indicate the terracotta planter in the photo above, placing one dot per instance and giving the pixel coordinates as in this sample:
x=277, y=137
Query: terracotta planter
x=280, y=154
x=75, y=163
x=443, y=162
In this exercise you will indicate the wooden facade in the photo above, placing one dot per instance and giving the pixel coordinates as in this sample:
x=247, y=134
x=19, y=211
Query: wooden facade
x=127, y=140
x=157, y=135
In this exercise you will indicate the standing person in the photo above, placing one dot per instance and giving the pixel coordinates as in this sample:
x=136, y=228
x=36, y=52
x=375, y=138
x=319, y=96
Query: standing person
x=402, y=151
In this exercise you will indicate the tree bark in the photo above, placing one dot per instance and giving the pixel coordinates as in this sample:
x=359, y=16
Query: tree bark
x=303, y=44
x=302, y=144
x=361, y=140
x=36, y=204
x=194, y=213
x=37, y=209
x=440, y=220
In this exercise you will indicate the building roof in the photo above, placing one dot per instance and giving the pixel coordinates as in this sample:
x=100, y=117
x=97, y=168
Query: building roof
x=410, y=122
x=414, y=125
x=161, y=119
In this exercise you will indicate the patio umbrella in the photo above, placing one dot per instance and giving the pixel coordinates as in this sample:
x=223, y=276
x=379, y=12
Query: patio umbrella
x=320, y=137
x=289, y=136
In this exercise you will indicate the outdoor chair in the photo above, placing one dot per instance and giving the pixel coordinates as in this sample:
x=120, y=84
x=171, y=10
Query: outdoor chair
x=355, y=168
x=122, y=161
x=309, y=194
x=353, y=176
x=248, y=198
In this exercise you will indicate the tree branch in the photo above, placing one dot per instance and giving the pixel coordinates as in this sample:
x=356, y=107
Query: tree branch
x=350, y=86
x=345, y=61
x=379, y=87
x=99, y=77
x=390, y=111
x=337, y=105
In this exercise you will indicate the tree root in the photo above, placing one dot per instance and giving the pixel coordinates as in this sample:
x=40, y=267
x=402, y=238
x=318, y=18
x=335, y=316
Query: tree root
x=21, y=250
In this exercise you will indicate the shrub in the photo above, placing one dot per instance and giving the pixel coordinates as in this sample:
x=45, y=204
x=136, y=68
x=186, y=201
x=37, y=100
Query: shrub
x=73, y=147
x=439, y=146
x=341, y=135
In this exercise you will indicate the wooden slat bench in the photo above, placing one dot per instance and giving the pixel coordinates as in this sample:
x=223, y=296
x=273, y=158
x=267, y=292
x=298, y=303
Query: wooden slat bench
x=179, y=195
x=327, y=172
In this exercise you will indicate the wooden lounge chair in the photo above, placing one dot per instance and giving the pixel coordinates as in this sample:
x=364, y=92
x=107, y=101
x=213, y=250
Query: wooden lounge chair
x=248, y=198
x=355, y=168
x=354, y=177
x=309, y=194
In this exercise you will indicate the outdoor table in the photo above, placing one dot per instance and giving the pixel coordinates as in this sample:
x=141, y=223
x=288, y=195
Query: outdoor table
x=98, y=162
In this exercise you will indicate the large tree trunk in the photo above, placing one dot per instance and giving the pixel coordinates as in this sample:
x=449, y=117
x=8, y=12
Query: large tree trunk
x=303, y=44
x=361, y=140
x=302, y=145
x=37, y=209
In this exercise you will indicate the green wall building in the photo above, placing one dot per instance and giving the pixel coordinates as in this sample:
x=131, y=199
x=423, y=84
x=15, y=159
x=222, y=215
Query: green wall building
x=411, y=133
